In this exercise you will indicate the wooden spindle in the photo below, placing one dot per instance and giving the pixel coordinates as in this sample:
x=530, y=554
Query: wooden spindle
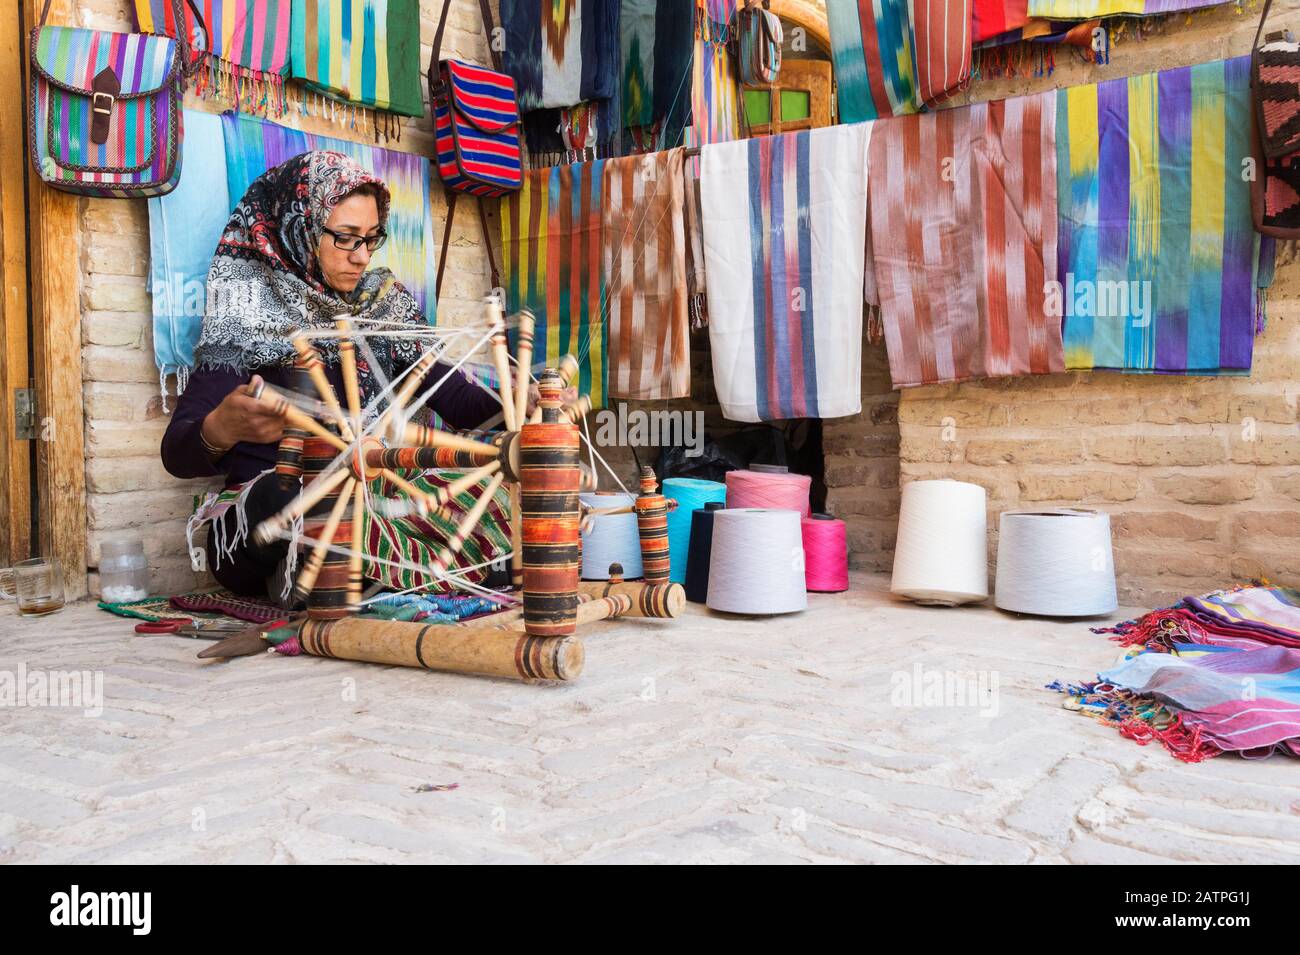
x=356, y=565
x=348, y=362
x=310, y=359
x=524, y=359
x=501, y=362
x=419, y=436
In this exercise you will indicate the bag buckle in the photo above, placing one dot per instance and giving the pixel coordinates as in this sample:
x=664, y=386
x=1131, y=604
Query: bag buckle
x=105, y=110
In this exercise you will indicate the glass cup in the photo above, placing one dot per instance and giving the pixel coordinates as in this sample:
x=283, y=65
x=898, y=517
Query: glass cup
x=36, y=584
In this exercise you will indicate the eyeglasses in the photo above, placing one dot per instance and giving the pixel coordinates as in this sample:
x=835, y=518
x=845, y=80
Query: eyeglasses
x=350, y=243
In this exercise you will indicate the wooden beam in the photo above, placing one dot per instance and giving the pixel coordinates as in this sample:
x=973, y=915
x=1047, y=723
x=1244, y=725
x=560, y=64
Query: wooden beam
x=15, y=455
x=55, y=263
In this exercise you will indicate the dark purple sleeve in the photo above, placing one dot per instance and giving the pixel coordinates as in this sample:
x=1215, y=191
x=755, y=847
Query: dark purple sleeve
x=182, y=448
x=459, y=402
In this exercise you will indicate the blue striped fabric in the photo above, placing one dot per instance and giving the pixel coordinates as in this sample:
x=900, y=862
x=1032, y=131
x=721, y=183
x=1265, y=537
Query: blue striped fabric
x=476, y=125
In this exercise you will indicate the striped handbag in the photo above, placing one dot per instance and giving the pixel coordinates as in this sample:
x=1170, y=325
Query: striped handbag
x=476, y=130
x=758, y=44
x=105, y=111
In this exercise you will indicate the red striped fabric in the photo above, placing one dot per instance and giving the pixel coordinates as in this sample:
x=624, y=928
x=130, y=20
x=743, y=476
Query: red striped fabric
x=941, y=31
x=963, y=233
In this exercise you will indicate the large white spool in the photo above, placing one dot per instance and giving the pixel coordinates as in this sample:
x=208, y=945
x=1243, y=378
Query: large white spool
x=941, y=556
x=756, y=563
x=610, y=538
x=1056, y=562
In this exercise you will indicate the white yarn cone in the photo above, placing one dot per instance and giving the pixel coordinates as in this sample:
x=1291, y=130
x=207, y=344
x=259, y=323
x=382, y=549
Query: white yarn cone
x=756, y=563
x=941, y=556
x=612, y=538
x=1056, y=562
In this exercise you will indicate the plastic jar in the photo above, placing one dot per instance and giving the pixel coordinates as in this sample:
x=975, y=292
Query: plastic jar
x=123, y=571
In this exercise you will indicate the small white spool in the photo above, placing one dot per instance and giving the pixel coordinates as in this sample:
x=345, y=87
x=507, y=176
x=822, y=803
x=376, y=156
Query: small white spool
x=613, y=538
x=941, y=556
x=1055, y=562
x=756, y=563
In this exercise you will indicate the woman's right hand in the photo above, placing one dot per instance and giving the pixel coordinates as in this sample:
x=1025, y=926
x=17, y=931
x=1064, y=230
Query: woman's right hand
x=241, y=417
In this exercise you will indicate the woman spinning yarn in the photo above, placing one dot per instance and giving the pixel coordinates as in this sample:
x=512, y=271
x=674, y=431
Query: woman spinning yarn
x=294, y=256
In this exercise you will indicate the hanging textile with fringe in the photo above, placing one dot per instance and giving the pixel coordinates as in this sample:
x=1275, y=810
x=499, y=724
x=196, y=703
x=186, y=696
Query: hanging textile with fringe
x=696, y=284
x=250, y=48
x=645, y=276
x=363, y=52
x=715, y=90
x=785, y=315
x=551, y=246
x=252, y=146
x=560, y=52
x=963, y=235
x=871, y=47
x=1157, y=255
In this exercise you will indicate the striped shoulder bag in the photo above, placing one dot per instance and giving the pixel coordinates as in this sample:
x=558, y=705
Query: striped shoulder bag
x=476, y=129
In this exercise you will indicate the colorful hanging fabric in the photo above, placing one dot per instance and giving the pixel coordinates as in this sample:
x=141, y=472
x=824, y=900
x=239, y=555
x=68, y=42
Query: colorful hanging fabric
x=657, y=46
x=990, y=18
x=785, y=315
x=696, y=287
x=365, y=52
x=551, y=246
x=941, y=44
x=560, y=52
x=715, y=91
x=1091, y=9
x=645, y=276
x=1157, y=253
x=184, y=227
x=871, y=48
x=963, y=233
x=249, y=51
x=253, y=146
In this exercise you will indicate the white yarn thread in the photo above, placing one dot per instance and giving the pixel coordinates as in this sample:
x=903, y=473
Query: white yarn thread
x=756, y=562
x=613, y=538
x=1056, y=562
x=941, y=557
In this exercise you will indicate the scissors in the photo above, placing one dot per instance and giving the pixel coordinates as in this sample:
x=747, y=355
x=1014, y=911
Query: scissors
x=189, y=627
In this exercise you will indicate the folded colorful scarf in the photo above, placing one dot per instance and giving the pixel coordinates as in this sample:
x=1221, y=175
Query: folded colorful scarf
x=941, y=45
x=365, y=52
x=871, y=47
x=253, y=146
x=552, y=252
x=184, y=228
x=1243, y=617
x=560, y=52
x=1157, y=253
x=645, y=276
x=249, y=52
x=963, y=236
x=785, y=315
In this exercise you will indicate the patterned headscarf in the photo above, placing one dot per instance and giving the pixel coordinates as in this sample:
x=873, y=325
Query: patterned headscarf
x=265, y=282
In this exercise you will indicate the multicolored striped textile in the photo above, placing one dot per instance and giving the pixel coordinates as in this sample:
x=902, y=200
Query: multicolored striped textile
x=360, y=51
x=657, y=46
x=645, y=276
x=871, y=48
x=715, y=93
x=1157, y=251
x=551, y=240
x=416, y=539
x=249, y=52
x=140, y=155
x=941, y=39
x=1092, y=9
x=560, y=52
x=1261, y=614
x=785, y=315
x=963, y=233
x=475, y=125
x=253, y=146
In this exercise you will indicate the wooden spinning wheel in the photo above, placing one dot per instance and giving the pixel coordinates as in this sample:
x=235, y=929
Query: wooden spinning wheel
x=337, y=449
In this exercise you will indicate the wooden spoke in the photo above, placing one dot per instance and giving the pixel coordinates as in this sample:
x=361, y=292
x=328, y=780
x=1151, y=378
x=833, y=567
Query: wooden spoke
x=279, y=404
x=316, y=370
x=568, y=370
x=310, y=570
x=419, y=436
x=407, y=390
x=516, y=539
x=356, y=565
x=446, y=495
x=524, y=359
x=423, y=500
x=501, y=362
x=348, y=362
x=447, y=553
x=309, y=498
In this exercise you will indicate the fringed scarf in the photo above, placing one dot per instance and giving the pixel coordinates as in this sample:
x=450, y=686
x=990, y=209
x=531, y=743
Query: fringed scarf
x=265, y=282
x=249, y=52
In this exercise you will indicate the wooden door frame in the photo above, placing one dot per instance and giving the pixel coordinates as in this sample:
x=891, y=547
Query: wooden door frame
x=54, y=268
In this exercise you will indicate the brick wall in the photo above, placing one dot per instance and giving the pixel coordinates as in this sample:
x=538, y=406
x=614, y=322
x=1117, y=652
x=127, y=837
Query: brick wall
x=128, y=490
x=1200, y=475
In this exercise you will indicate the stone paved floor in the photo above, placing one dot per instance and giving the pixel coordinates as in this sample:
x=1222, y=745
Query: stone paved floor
x=703, y=740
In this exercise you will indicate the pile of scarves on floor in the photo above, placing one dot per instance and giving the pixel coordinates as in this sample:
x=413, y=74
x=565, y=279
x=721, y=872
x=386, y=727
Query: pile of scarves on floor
x=1210, y=675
